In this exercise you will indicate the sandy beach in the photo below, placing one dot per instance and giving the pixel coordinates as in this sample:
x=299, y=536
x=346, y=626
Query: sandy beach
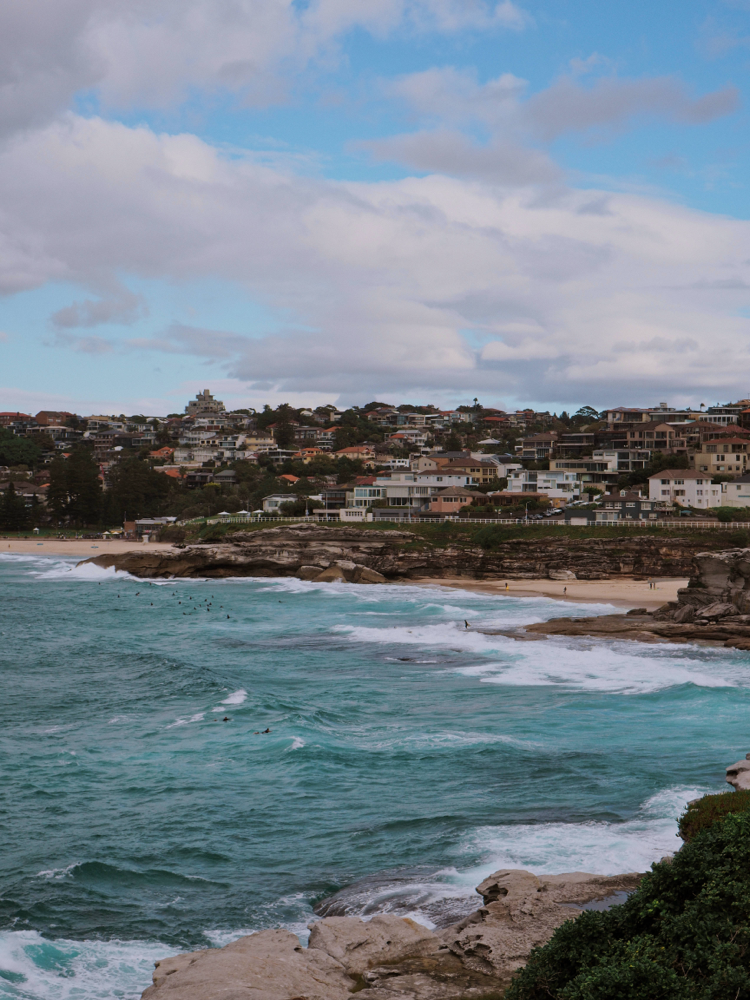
x=623, y=593
x=75, y=546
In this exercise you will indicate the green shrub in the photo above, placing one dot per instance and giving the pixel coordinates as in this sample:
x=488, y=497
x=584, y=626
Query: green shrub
x=492, y=535
x=683, y=935
x=704, y=812
x=738, y=539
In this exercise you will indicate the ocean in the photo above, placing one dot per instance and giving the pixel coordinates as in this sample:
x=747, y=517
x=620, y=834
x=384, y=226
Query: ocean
x=377, y=756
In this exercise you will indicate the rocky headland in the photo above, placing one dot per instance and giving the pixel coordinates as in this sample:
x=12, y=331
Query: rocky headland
x=365, y=555
x=714, y=607
x=395, y=958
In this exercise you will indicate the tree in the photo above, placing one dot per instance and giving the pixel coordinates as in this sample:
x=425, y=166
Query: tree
x=586, y=413
x=75, y=490
x=17, y=450
x=13, y=513
x=284, y=432
x=136, y=490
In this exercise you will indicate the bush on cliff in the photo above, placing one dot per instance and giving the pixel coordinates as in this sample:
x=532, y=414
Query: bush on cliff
x=683, y=935
x=702, y=813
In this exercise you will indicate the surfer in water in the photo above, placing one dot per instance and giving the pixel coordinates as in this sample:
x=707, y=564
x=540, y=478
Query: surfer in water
x=466, y=624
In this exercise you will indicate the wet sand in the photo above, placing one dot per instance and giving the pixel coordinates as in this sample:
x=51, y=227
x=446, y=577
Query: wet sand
x=623, y=592
x=75, y=546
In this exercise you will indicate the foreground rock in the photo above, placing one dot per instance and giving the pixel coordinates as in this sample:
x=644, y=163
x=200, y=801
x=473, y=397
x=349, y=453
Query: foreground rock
x=738, y=775
x=522, y=911
x=714, y=607
x=348, y=553
x=394, y=958
x=270, y=965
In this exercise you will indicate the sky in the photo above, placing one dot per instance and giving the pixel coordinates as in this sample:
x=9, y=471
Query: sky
x=533, y=202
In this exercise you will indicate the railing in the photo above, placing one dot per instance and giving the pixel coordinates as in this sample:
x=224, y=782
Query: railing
x=558, y=522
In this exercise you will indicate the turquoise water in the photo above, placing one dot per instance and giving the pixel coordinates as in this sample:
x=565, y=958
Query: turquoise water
x=407, y=759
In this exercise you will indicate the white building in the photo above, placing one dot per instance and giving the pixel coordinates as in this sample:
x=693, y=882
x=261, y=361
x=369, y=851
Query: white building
x=272, y=502
x=736, y=493
x=404, y=489
x=556, y=484
x=684, y=487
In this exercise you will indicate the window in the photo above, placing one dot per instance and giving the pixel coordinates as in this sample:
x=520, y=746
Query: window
x=679, y=493
x=664, y=482
x=665, y=493
x=679, y=482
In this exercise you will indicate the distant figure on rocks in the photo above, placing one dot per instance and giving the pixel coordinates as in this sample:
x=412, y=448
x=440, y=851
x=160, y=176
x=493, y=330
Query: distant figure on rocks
x=466, y=624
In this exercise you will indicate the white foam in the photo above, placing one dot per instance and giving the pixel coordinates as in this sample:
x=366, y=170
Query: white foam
x=193, y=718
x=75, y=970
x=598, y=847
x=616, y=667
x=297, y=743
x=235, y=698
x=57, y=873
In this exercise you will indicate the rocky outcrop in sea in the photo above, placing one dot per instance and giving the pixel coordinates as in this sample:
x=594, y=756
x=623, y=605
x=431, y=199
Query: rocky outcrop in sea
x=395, y=958
x=329, y=552
x=714, y=607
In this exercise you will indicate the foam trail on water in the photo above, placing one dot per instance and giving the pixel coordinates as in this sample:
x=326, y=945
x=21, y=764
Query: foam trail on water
x=236, y=697
x=33, y=968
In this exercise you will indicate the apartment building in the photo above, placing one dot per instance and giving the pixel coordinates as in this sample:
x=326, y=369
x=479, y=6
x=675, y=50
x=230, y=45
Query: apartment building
x=557, y=485
x=724, y=455
x=538, y=447
x=657, y=435
x=684, y=487
x=405, y=490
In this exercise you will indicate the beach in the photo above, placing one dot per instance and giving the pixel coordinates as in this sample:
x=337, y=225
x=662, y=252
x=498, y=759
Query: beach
x=83, y=547
x=624, y=592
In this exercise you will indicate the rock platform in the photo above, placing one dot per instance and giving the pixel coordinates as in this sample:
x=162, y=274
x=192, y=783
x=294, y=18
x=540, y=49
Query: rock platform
x=391, y=957
x=714, y=607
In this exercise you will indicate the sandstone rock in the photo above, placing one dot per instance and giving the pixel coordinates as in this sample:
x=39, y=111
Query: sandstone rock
x=738, y=775
x=359, y=945
x=435, y=977
x=684, y=614
x=717, y=610
x=523, y=912
x=561, y=574
x=309, y=572
x=364, y=575
x=331, y=575
x=270, y=965
x=283, y=551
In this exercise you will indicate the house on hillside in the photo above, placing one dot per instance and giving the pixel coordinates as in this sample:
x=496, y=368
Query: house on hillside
x=684, y=487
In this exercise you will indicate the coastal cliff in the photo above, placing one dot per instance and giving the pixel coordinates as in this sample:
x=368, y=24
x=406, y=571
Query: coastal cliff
x=395, y=958
x=344, y=553
x=714, y=607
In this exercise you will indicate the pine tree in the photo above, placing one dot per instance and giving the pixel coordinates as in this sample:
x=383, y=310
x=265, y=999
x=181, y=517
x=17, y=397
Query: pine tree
x=13, y=513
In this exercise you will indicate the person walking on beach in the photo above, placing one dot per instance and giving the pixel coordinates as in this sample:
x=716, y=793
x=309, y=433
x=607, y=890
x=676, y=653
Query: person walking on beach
x=466, y=624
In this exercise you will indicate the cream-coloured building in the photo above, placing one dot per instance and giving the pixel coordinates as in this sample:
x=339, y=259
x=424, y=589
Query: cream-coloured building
x=724, y=455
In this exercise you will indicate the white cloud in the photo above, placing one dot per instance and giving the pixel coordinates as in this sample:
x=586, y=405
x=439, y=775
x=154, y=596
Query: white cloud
x=156, y=53
x=387, y=287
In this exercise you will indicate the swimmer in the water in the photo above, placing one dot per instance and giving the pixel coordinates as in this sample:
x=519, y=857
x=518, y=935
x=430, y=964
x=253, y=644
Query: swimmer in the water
x=466, y=624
